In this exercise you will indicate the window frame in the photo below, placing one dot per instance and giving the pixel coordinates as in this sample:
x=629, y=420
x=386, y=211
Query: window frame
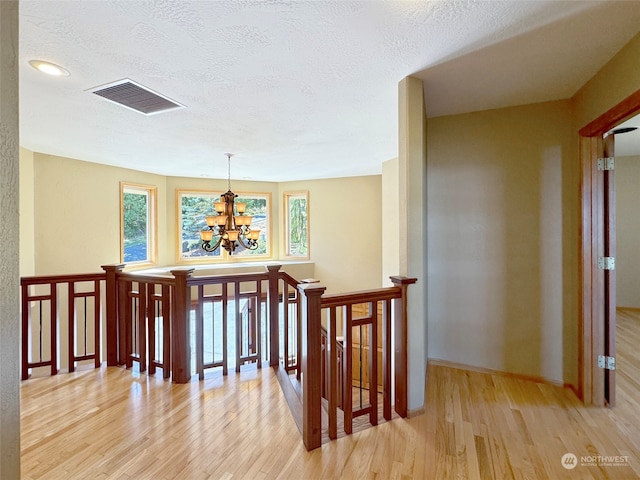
x=224, y=256
x=287, y=197
x=151, y=191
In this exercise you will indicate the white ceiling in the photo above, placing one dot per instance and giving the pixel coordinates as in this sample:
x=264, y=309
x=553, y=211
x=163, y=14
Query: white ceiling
x=297, y=89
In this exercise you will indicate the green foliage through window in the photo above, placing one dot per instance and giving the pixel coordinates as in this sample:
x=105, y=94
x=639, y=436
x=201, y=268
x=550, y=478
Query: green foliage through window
x=137, y=203
x=195, y=206
x=297, y=222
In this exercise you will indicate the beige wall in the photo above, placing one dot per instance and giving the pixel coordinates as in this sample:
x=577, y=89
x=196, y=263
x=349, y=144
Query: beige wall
x=27, y=212
x=9, y=239
x=618, y=79
x=390, y=227
x=502, y=200
x=345, y=222
x=77, y=214
x=77, y=219
x=412, y=222
x=628, y=231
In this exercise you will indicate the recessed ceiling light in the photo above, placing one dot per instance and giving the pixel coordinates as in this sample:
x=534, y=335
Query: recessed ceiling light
x=49, y=68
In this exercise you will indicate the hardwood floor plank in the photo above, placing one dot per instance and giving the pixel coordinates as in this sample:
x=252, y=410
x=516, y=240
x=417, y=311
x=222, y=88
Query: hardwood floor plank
x=111, y=423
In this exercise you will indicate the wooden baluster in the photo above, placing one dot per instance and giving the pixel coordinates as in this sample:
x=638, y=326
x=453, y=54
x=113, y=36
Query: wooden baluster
x=71, y=323
x=142, y=326
x=200, y=333
x=400, y=346
x=311, y=297
x=131, y=304
x=274, y=320
x=340, y=370
x=180, y=327
x=225, y=323
x=124, y=306
x=112, y=312
x=53, y=337
x=97, y=324
x=166, y=331
x=332, y=373
x=285, y=324
x=373, y=363
x=298, y=327
x=386, y=359
x=347, y=370
x=26, y=316
x=257, y=314
x=324, y=366
x=239, y=336
x=251, y=326
x=151, y=326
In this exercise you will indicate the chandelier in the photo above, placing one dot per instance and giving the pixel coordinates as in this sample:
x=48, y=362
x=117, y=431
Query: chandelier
x=229, y=227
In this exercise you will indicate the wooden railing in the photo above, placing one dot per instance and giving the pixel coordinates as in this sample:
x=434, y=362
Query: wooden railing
x=191, y=313
x=41, y=298
x=338, y=386
x=156, y=321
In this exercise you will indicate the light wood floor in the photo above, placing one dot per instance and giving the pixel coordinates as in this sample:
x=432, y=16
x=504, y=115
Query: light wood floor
x=108, y=423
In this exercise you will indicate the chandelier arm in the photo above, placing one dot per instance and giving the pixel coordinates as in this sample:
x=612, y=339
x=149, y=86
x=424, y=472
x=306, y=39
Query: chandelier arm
x=250, y=246
x=207, y=245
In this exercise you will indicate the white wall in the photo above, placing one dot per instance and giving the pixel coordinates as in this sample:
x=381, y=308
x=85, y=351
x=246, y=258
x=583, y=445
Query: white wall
x=627, y=180
x=500, y=190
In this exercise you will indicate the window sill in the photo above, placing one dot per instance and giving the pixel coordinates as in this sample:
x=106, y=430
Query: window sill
x=302, y=268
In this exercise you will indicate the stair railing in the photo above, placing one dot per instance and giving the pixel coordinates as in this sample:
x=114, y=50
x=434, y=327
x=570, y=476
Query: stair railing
x=41, y=299
x=338, y=385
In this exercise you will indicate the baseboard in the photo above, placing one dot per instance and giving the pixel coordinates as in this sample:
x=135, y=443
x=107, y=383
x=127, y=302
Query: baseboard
x=473, y=368
x=633, y=309
x=574, y=389
x=416, y=412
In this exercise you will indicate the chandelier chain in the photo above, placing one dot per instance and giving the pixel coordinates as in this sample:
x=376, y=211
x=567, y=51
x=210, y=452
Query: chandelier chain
x=229, y=155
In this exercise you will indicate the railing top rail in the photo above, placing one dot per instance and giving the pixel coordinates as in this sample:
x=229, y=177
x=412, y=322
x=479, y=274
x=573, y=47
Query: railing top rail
x=363, y=296
x=65, y=278
x=228, y=278
x=289, y=279
x=146, y=278
x=169, y=279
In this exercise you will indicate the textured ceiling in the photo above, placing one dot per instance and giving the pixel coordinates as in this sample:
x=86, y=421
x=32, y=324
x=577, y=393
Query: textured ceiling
x=297, y=89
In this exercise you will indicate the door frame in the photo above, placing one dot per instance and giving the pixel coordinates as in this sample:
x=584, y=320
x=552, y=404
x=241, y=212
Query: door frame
x=591, y=380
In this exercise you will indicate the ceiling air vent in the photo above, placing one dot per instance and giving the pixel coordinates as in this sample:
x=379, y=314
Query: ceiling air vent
x=136, y=97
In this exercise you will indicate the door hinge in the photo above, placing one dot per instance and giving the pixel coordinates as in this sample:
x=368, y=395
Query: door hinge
x=606, y=163
x=607, y=263
x=608, y=363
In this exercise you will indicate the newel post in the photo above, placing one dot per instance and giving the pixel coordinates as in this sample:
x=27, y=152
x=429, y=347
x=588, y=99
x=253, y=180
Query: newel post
x=180, y=327
x=111, y=299
x=311, y=298
x=400, y=331
x=274, y=315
